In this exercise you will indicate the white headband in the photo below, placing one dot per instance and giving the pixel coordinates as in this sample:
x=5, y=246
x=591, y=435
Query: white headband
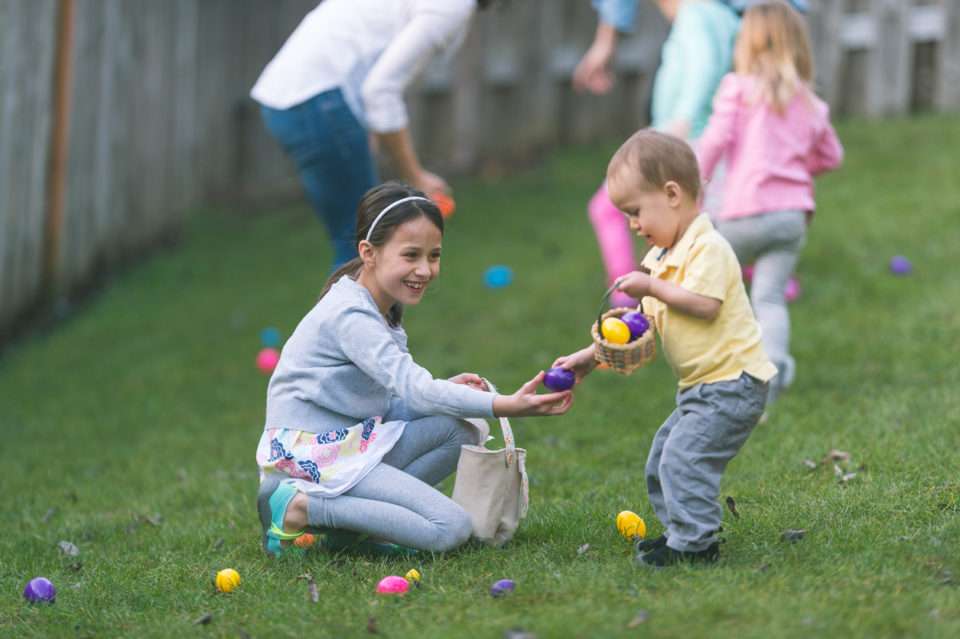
x=393, y=204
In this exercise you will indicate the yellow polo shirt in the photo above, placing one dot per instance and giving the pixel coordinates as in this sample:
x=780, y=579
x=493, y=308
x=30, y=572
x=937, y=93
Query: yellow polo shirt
x=705, y=351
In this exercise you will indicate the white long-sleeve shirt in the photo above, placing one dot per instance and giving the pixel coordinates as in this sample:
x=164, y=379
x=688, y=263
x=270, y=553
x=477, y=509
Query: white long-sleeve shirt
x=371, y=49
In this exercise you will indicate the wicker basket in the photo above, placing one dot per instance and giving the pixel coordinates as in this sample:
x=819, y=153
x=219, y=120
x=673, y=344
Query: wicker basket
x=623, y=358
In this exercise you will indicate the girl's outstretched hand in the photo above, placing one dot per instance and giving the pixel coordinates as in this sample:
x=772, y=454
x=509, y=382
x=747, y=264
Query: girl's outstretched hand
x=581, y=363
x=527, y=403
x=470, y=379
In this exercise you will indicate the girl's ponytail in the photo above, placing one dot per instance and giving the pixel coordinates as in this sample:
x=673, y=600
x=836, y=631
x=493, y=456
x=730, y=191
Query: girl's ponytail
x=350, y=269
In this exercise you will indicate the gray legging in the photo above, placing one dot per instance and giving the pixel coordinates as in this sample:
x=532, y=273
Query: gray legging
x=396, y=500
x=772, y=241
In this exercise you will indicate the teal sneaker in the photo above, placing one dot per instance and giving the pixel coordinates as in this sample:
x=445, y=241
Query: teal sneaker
x=337, y=540
x=272, y=501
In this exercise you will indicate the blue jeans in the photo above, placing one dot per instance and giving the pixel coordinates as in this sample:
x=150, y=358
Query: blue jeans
x=332, y=152
x=691, y=451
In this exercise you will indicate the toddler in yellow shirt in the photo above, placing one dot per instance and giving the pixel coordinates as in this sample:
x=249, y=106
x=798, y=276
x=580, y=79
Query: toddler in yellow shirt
x=708, y=335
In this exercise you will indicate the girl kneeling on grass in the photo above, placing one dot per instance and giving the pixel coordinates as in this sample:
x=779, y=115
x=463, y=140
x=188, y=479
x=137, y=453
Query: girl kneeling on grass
x=356, y=432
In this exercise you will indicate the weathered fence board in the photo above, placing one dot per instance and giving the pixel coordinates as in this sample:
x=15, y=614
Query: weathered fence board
x=160, y=118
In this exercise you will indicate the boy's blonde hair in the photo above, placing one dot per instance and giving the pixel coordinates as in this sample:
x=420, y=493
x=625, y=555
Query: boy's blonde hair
x=773, y=45
x=655, y=158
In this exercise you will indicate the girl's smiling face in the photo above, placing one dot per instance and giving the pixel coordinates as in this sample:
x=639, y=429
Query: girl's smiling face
x=400, y=270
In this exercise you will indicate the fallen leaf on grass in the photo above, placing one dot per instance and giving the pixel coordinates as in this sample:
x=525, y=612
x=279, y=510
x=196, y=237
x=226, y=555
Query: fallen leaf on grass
x=793, y=535
x=847, y=478
x=77, y=566
x=219, y=543
x=50, y=513
x=582, y=549
x=838, y=455
x=809, y=463
x=204, y=620
x=837, y=470
x=733, y=507
x=639, y=618
x=68, y=548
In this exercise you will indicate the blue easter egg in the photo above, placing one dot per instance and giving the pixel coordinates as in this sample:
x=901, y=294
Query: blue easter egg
x=498, y=276
x=270, y=336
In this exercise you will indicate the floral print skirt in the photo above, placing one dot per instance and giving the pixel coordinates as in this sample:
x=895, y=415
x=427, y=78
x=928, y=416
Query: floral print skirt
x=326, y=464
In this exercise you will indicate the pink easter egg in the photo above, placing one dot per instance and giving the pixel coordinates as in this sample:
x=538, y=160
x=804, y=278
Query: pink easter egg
x=267, y=359
x=792, y=290
x=393, y=585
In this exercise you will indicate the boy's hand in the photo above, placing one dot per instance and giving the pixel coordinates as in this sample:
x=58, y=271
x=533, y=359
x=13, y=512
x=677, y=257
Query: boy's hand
x=636, y=284
x=581, y=363
x=527, y=403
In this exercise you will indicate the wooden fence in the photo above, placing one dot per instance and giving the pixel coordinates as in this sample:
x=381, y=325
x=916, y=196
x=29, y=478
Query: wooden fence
x=118, y=117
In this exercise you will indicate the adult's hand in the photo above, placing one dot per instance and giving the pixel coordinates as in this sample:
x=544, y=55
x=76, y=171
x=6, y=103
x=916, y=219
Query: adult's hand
x=592, y=73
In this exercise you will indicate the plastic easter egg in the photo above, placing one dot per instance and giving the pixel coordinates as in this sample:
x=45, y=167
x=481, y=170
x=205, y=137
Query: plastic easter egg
x=444, y=202
x=615, y=331
x=559, y=379
x=267, y=360
x=636, y=322
x=227, y=580
x=900, y=265
x=501, y=588
x=412, y=575
x=791, y=290
x=393, y=585
x=306, y=540
x=270, y=337
x=498, y=276
x=39, y=589
x=630, y=525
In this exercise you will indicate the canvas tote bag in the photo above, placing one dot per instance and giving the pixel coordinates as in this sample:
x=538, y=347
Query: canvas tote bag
x=492, y=487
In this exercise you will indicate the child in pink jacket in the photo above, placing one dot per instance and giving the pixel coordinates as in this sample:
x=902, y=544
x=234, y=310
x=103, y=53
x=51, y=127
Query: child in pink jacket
x=776, y=135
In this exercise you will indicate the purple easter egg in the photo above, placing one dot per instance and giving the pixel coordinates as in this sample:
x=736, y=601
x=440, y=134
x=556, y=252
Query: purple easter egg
x=501, y=588
x=39, y=589
x=558, y=379
x=900, y=265
x=636, y=322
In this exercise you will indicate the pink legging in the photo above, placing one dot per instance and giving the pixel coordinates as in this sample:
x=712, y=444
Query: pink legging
x=615, y=239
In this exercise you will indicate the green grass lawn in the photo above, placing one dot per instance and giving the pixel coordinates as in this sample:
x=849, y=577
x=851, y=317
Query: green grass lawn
x=129, y=430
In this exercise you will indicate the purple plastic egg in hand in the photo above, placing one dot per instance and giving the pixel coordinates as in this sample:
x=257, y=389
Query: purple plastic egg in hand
x=636, y=322
x=39, y=589
x=501, y=588
x=559, y=379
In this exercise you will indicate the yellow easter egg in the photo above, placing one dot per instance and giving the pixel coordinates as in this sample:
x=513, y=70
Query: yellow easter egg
x=615, y=331
x=227, y=580
x=631, y=526
x=412, y=575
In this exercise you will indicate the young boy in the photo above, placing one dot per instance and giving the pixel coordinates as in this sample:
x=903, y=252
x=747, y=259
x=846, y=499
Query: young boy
x=708, y=334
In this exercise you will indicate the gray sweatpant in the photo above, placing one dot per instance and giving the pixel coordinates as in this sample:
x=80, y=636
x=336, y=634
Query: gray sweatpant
x=396, y=500
x=690, y=452
x=772, y=241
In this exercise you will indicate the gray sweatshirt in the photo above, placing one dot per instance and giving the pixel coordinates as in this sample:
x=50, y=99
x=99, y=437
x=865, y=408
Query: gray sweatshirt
x=344, y=364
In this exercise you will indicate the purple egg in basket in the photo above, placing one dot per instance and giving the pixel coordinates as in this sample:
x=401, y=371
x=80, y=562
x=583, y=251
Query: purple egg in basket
x=559, y=379
x=636, y=322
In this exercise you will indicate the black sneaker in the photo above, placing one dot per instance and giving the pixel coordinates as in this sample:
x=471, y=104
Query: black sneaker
x=667, y=556
x=646, y=545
